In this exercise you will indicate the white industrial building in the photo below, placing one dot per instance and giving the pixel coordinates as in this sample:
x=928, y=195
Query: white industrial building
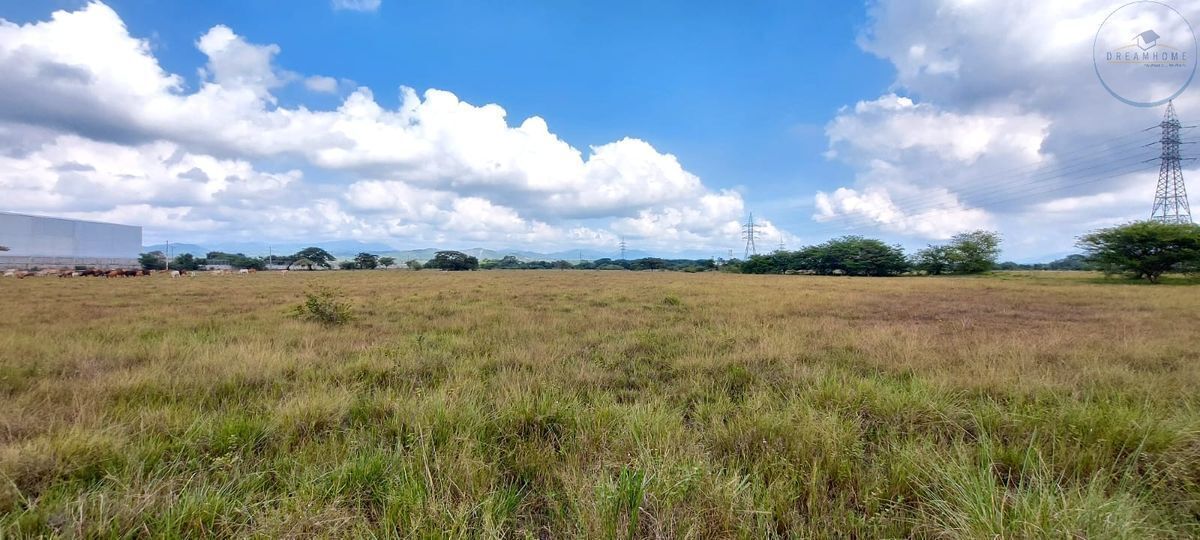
x=47, y=242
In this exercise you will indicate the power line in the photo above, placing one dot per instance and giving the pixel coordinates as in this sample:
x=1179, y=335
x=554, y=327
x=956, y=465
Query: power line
x=1100, y=172
x=1106, y=171
x=1037, y=177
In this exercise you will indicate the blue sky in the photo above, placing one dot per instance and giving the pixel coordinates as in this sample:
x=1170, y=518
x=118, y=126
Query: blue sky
x=765, y=106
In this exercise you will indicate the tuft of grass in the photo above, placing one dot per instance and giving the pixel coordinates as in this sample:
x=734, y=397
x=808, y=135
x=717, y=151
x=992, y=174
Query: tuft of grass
x=323, y=305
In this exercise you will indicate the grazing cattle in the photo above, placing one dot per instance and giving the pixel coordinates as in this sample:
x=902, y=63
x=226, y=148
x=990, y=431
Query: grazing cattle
x=191, y=273
x=10, y=273
x=174, y=273
x=253, y=270
x=114, y=273
x=243, y=271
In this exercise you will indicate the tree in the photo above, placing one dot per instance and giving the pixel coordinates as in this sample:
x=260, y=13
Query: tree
x=387, y=262
x=648, y=263
x=366, y=261
x=413, y=265
x=185, y=261
x=155, y=260
x=858, y=256
x=314, y=256
x=306, y=263
x=973, y=252
x=933, y=260
x=1070, y=262
x=348, y=265
x=1145, y=249
x=508, y=262
x=453, y=260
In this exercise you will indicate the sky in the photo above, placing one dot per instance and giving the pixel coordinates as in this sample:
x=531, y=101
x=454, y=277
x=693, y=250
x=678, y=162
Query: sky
x=548, y=126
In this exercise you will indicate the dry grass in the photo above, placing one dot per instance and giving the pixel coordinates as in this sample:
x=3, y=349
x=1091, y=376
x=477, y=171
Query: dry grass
x=594, y=404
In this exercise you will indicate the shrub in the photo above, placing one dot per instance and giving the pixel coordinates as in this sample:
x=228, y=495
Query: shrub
x=323, y=305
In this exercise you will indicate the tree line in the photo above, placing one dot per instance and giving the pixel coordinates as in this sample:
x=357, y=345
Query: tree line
x=966, y=253
x=1140, y=250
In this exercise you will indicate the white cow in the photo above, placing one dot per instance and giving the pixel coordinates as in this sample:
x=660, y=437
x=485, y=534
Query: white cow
x=174, y=273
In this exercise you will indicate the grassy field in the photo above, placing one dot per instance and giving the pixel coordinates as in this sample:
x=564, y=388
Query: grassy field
x=592, y=404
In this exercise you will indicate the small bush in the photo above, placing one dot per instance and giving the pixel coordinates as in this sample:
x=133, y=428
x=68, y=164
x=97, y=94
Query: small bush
x=672, y=300
x=322, y=305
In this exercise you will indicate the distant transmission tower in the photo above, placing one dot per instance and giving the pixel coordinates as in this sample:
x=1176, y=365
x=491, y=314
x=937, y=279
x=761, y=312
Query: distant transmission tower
x=1170, y=199
x=622, y=248
x=781, y=245
x=750, y=233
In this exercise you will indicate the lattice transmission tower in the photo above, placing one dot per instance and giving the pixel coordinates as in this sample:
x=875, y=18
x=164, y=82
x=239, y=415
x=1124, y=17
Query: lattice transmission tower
x=622, y=245
x=750, y=234
x=1170, y=199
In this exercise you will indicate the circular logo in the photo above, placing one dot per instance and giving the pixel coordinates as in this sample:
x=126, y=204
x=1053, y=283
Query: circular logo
x=1145, y=53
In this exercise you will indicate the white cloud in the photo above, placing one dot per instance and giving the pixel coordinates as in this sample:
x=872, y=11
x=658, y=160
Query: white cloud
x=318, y=83
x=357, y=5
x=874, y=206
x=235, y=64
x=433, y=169
x=995, y=119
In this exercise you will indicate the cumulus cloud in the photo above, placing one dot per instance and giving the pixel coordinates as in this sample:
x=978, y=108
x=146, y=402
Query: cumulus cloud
x=435, y=168
x=874, y=205
x=995, y=119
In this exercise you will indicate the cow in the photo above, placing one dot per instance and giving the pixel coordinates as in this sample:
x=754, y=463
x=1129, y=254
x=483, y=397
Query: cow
x=174, y=273
x=243, y=272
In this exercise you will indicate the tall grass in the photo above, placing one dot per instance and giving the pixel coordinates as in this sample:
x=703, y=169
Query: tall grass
x=610, y=405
